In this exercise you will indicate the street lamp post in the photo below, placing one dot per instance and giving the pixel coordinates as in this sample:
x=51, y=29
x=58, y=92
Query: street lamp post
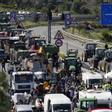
x=49, y=25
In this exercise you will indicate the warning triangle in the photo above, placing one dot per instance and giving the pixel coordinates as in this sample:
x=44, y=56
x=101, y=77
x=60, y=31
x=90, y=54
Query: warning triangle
x=58, y=35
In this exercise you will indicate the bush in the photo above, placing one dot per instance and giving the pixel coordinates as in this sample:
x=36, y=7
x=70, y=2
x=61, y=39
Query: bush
x=106, y=36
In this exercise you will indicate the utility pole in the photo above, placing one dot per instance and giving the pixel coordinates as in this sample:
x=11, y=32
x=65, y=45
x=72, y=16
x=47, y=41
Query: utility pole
x=49, y=25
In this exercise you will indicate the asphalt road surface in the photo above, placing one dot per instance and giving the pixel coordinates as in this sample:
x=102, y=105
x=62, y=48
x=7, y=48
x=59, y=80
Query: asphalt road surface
x=67, y=42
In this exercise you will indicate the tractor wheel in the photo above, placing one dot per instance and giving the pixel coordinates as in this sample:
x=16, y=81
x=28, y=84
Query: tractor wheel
x=85, y=57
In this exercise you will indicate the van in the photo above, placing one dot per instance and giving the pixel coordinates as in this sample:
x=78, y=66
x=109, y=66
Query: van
x=92, y=78
x=57, y=103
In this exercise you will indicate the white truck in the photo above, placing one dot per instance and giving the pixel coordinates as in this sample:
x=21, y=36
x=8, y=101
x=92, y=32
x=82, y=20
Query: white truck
x=92, y=78
x=108, y=76
x=22, y=81
x=57, y=103
x=95, y=99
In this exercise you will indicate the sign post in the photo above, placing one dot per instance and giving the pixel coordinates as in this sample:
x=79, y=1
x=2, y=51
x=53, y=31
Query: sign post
x=58, y=39
x=67, y=19
x=106, y=14
x=13, y=17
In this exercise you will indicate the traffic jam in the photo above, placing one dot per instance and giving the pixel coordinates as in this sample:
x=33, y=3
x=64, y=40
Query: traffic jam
x=43, y=79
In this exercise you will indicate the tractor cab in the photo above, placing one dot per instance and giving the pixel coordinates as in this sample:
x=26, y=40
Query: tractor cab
x=85, y=104
x=19, y=45
x=72, y=64
x=108, y=55
x=38, y=41
x=72, y=52
x=99, y=53
x=89, y=50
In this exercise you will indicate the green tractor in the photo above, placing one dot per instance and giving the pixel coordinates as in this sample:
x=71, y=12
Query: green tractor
x=50, y=49
x=85, y=104
x=72, y=63
x=51, y=52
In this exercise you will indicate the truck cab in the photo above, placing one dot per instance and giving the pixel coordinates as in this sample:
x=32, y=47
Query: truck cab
x=57, y=103
x=91, y=78
x=22, y=81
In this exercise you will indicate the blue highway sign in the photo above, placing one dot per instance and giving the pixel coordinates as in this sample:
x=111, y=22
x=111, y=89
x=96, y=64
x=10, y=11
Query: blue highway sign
x=106, y=14
x=67, y=19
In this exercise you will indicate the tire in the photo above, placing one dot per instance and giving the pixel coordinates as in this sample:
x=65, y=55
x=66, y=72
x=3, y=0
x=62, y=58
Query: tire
x=85, y=57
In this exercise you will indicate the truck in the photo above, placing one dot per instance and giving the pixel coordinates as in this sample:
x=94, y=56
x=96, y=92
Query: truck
x=93, y=99
x=57, y=102
x=22, y=81
x=91, y=78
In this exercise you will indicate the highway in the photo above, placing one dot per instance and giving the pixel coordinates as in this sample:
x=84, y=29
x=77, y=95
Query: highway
x=67, y=42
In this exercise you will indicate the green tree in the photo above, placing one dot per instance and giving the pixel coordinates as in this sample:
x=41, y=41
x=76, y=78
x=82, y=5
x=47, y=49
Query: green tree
x=4, y=99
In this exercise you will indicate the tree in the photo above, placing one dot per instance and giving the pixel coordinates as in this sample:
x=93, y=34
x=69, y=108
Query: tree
x=4, y=99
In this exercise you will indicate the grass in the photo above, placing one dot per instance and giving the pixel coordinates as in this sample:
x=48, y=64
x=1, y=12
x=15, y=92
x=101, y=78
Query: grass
x=92, y=34
x=29, y=24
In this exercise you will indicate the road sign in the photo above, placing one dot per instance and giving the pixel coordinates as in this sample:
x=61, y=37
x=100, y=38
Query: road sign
x=106, y=14
x=58, y=35
x=59, y=43
x=13, y=16
x=67, y=19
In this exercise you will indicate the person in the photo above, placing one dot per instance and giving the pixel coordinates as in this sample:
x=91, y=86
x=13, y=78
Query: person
x=3, y=65
x=106, y=46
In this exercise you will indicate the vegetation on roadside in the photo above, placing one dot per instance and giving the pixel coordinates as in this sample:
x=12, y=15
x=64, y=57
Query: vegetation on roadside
x=75, y=6
x=96, y=31
x=4, y=98
x=29, y=24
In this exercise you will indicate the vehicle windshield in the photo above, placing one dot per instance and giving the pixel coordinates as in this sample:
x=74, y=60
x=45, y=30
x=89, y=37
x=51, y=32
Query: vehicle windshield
x=109, y=54
x=19, y=46
x=24, y=111
x=94, y=81
x=23, y=54
x=1, y=53
x=71, y=62
x=100, y=51
x=90, y=46
x=88, y=104
x=62, y=108
x=23, y=78
x=40, y=42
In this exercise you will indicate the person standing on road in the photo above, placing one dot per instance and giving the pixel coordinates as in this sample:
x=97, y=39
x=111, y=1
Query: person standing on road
x=3, y=65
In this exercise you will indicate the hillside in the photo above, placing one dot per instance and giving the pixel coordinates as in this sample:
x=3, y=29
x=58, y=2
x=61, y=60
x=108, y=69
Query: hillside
x=75, y=6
